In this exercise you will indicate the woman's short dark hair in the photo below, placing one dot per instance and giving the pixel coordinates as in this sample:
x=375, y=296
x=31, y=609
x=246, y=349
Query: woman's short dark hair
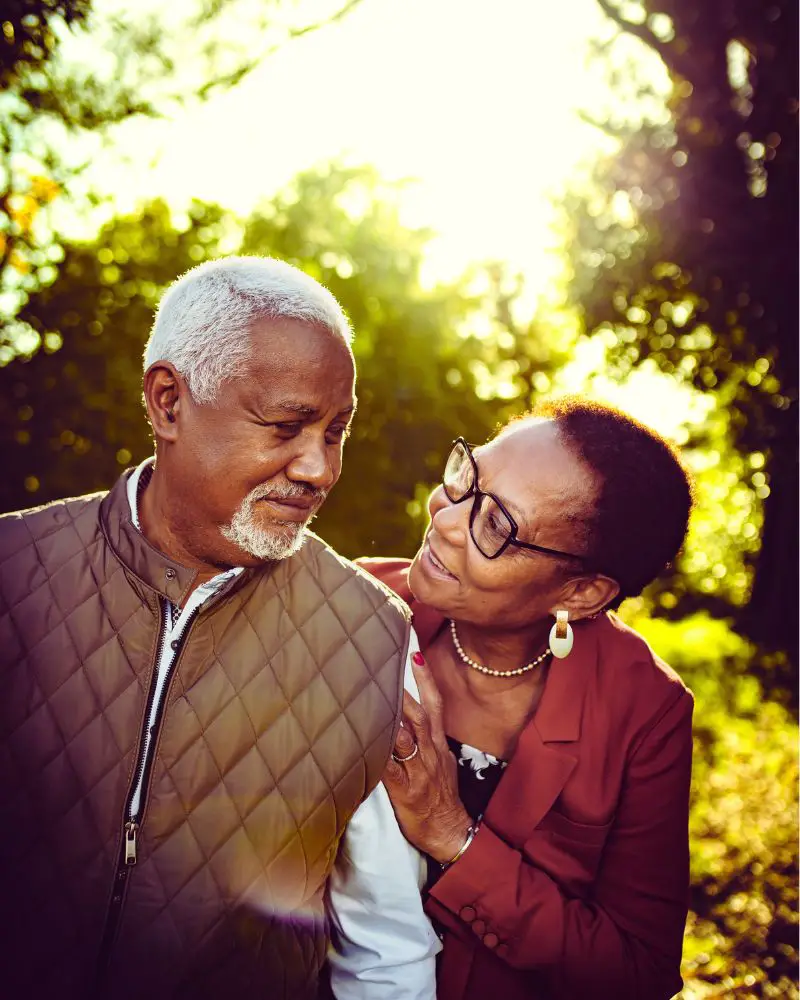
x=639, y=520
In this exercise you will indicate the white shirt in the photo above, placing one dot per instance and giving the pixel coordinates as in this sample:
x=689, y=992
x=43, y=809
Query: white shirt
x=384, y=946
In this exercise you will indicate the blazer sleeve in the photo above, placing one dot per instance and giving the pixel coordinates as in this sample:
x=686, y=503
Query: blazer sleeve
x=392, y=572
x=626, y=940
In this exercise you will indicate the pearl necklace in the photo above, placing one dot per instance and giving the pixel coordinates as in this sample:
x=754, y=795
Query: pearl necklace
x=485, y=670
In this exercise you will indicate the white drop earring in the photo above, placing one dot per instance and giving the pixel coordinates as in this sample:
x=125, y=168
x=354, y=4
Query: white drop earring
x=561, y=635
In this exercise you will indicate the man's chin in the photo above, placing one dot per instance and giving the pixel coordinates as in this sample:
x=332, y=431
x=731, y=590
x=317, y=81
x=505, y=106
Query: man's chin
x=257, y=545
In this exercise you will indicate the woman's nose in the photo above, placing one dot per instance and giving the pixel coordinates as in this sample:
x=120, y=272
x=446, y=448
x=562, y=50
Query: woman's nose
x=451, y=520
x=437, y=500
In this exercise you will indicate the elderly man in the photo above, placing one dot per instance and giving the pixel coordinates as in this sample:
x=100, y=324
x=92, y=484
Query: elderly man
x=197, y=693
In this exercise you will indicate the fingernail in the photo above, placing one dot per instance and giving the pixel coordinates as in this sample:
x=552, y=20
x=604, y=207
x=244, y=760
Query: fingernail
x=418, y=659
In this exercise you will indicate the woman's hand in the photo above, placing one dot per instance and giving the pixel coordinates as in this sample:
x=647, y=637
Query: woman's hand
x=424, y=788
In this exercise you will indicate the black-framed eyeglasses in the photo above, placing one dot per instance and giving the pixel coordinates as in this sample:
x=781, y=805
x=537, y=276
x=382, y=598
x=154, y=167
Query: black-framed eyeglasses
x=491, y=527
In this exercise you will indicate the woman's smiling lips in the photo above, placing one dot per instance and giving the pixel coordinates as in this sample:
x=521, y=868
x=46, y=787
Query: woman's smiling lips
x=434, y=566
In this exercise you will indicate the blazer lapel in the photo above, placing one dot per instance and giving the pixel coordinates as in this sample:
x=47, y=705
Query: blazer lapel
x=544, y=758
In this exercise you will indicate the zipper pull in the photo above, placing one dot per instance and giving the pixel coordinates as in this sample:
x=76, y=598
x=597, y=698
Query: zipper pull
x=131, y=830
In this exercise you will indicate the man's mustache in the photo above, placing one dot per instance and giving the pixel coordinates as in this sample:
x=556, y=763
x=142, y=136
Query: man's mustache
x=288, y=491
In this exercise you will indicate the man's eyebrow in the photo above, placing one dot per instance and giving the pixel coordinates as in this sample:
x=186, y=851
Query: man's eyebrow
x=304, y=411
x=298, y=409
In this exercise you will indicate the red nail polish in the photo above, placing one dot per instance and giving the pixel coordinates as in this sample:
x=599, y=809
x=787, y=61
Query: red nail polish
x=418, y=658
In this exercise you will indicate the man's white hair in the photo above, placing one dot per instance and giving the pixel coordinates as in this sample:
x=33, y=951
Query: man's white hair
x=204, y=317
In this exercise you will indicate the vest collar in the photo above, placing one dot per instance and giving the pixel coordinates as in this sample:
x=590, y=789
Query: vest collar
x=150, y=566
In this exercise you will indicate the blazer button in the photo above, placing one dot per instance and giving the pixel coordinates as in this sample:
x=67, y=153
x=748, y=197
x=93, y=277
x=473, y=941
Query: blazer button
x=479, y=927
x=491, y=940
x=468, y=913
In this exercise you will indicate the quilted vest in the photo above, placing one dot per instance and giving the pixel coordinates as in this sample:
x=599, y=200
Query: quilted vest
x=279, y=717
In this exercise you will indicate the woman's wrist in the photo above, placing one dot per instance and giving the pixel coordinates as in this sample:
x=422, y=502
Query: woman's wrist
x=471, y=832
x=451, y=838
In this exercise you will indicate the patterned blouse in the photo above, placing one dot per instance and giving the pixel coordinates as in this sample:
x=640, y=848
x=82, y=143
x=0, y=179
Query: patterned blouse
x=479, y=775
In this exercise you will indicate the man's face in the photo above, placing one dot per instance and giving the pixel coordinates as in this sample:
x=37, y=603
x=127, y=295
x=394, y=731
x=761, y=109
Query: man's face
x=252, y=468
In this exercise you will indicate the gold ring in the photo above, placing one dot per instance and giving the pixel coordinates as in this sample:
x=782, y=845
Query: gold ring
x=402, y=760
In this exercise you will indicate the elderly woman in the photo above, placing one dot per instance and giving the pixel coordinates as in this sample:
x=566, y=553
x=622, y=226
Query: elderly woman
x=544, y=773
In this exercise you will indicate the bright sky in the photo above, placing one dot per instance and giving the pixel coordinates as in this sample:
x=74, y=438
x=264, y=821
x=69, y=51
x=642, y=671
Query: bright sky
x=478, y=101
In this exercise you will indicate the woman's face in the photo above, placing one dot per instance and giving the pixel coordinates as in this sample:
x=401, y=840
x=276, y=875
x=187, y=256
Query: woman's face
x=548, y=490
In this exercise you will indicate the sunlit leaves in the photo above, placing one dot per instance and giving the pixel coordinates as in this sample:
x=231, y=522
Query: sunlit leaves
x=73, y=70
x=742, y=934
x=683, y=250
x=71, y=410
x=684, y=254
x=28, y=36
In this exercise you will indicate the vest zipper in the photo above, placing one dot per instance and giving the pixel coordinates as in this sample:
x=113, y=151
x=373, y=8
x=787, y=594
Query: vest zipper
x=141, y=775
x=130, y=843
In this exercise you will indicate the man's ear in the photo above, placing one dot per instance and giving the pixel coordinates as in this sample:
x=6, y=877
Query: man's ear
x=584, y=596
x=164, y=393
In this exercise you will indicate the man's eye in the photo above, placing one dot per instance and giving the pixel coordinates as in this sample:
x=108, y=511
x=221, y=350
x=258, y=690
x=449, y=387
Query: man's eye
x=289, y=429
x=338, y=433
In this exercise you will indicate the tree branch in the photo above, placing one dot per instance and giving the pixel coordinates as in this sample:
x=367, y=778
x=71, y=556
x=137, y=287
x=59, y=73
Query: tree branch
x=639, y=31
x=614, y=131
x=236, y=76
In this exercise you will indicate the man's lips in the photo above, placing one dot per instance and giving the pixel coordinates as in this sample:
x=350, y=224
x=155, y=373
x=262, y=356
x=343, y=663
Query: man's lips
x=303, y=503
x=292, y=508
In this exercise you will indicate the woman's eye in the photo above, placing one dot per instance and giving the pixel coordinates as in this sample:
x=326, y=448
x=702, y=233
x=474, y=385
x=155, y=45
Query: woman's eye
x=494, y=524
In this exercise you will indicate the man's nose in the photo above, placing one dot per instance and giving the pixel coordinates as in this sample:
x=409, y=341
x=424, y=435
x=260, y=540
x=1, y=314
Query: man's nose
x=315, y=464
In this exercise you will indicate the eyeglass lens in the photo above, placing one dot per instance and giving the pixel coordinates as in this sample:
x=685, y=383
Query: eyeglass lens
x=458, y=474
x=489, y=526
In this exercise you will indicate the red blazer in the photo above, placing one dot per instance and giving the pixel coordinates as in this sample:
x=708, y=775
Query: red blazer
x=576, y=885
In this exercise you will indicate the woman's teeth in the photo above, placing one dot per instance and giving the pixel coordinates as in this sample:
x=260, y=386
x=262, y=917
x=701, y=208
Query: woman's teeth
x=437, y=564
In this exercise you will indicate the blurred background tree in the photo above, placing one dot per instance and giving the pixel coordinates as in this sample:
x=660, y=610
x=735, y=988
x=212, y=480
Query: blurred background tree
x=741, y=938
x=71, y=71
x=685, y=252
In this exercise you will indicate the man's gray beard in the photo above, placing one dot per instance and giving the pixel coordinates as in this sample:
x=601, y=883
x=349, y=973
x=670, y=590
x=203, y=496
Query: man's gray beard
x=278, y=541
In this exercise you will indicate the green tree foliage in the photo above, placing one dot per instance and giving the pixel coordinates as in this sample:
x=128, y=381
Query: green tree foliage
x=684, y=259
x=684, y=251
x=742, y=932
x=28, y=41
x=70, y=402
x=72, y=70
